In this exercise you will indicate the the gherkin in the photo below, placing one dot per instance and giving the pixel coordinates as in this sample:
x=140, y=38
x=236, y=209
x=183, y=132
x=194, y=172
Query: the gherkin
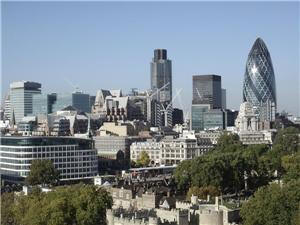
x=259, y=82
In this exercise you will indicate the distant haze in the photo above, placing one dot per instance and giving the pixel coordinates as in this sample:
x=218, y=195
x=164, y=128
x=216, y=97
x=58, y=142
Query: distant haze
x=109, y=45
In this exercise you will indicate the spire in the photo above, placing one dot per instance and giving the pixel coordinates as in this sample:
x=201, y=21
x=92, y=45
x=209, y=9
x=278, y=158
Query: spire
x=13, y=119
x=88, y=132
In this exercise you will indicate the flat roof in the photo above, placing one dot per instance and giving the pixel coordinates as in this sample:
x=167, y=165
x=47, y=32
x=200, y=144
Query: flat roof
x=153, y=168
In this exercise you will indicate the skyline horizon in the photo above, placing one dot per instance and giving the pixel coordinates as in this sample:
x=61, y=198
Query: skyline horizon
x=114, y=61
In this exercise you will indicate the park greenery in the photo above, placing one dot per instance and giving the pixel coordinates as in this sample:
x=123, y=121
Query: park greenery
x=232, y=168
x=42, y=172
x=70, y=205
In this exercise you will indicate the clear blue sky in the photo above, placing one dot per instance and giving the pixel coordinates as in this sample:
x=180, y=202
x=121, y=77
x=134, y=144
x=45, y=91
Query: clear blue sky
x=109, y=45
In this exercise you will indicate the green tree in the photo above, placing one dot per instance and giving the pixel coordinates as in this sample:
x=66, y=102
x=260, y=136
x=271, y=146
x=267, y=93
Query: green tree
x=77, y=204
x=291, y=166
x=228, y=142
x=286, y=142
x=7, y=202
x=42, y=172
x=273, y=205
x=203, y=192
x=144, y=159
x=183, y=175
x=256, y=168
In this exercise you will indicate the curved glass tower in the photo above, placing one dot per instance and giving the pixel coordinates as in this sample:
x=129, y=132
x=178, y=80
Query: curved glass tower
x=259, y=82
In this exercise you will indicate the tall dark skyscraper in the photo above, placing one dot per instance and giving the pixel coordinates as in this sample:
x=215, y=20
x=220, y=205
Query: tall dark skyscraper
x=259, y=86
x=161, y=78
x=207, y=90
x=207, y=96
x=161, y=74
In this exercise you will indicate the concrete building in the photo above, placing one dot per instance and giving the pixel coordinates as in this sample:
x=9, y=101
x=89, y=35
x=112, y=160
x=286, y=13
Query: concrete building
x=61, y=127
x=112, y=105
x=27, y=125
x=113, y=152
x=250, y=129
x=212, y=136
x=21, y=95
x=75, y=158
x=7, y=108
x=152, y=147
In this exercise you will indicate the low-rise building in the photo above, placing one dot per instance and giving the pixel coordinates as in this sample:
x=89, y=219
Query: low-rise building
x=171, y=150
x=194, y=213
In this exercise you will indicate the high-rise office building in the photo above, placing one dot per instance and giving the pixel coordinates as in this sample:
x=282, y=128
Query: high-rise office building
x=161, y=78
x=7, y=108
x=224, y=106
x=207, y=95
x=197, y=116
x=21, y=94
x=78, y=100
x=259, y=86
x=207, y=90
x=161, y=74
x=43, y=103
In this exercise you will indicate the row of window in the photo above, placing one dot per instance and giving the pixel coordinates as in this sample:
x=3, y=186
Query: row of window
x=28, y=161
x=42, y=155
x=40, y=149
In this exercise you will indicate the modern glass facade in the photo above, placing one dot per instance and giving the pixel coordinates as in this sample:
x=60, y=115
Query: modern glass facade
x=75, y=158
x=78, y=100
x=43, y=103
x=197, y=122
x=207, y=90
x=214, y=119
x=161, y=74
x=21, y=94
x=259, y=86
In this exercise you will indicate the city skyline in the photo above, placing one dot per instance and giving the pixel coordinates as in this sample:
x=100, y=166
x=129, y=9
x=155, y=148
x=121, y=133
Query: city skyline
x=58, y=44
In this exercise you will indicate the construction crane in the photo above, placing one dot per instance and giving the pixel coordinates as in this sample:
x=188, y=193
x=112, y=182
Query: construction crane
x=184, y=109
x=76, y=88
x=200, y=96
x=149, y=98
x=156, y=91
x=165, y=109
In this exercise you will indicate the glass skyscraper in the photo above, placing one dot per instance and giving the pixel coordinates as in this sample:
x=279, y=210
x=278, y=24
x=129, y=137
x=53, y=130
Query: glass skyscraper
x=259, y=86
x=21, y=94
x=207, y=90
x=43, y=103
x=161, y=74
x=198, y=111
x=78, y=100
